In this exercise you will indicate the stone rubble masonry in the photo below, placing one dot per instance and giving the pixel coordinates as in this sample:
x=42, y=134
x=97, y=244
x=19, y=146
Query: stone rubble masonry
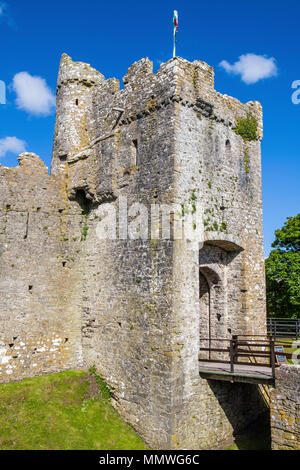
x=132, y=307
x=285, y=408
x=40, y=287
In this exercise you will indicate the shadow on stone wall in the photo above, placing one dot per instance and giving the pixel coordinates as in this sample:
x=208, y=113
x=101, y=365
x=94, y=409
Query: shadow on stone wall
x=244, y=406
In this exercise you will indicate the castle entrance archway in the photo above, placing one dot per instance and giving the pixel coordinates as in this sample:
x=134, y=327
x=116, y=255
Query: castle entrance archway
x=219, y=282
x=212, y=296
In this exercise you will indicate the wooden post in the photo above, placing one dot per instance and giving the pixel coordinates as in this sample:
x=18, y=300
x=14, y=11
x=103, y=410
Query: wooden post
x=272, y=357
x=231, y=356
x=235, y=348
x=270, y=327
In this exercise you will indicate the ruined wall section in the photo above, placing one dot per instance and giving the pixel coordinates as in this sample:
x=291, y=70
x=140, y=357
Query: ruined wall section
x=74, y=126
x=39, y=322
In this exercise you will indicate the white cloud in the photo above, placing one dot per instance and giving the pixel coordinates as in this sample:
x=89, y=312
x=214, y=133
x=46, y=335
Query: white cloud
x=11, y=144
x=33, y=94
x=5, y=15
x=252, y=67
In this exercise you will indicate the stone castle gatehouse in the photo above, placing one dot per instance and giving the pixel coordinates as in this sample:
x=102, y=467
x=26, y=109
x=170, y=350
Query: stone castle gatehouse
x=136, y=308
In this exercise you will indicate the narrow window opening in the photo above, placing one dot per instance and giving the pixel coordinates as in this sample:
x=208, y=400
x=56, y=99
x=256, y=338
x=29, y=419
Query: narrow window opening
x=76, y=102
x=27, y=223
x=134, y=152
x=228, y=149
x=83, y=201
x=64, y=263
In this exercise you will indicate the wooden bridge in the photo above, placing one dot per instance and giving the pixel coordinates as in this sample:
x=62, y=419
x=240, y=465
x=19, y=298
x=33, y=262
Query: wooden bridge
x=243, y=358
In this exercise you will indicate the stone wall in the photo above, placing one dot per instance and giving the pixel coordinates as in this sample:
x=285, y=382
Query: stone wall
x=285, y=408
x=40, y=279
x=210, y=170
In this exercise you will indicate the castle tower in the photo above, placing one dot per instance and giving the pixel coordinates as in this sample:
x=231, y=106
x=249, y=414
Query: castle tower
x=145, y=299
x=72, y=133
x=170, y=138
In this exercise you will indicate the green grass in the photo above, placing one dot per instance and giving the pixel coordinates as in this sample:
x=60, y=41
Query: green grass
x=288, y=348
x=62, y=411
x=251, y=443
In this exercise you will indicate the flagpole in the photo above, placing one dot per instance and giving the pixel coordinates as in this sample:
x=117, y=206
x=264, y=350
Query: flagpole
x=174, y=43
x=175, y=26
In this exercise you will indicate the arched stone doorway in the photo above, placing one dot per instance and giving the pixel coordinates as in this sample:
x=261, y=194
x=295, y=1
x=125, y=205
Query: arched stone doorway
x=212, y=315
x=219, y=283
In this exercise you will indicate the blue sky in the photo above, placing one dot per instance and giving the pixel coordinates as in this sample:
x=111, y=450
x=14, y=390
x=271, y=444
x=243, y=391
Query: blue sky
x=112, y=35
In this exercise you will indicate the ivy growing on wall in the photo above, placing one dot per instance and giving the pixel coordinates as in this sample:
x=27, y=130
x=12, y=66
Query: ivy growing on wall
x=246, y=160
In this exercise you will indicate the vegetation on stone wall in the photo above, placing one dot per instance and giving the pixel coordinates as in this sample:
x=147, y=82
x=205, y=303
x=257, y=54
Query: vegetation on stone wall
x=105, y=389
x=85, y=228
x=84, y=233
x=246, y=160
x=283, y=271
x=247, y=128
x=223, y=226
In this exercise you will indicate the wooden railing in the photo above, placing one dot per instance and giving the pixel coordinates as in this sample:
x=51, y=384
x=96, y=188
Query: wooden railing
x=258, y=350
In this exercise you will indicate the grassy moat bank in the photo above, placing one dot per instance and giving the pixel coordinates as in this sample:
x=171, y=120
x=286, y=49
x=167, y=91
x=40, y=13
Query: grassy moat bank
x=71, y=411
x=63, y=411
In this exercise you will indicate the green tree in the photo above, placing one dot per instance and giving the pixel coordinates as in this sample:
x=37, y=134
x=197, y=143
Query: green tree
x=283, y=271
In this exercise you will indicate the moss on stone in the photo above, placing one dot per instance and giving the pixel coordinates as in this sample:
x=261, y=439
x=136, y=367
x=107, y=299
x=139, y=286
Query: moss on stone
x=246, y=160
x=84, y=232
x=223, y=226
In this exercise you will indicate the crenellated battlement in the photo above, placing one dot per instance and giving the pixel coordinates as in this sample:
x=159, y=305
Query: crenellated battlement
x=93, y=111
x=80, y=72
x=189, y=84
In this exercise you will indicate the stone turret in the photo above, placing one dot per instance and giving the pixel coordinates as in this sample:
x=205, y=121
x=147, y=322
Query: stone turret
x=75, y=84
